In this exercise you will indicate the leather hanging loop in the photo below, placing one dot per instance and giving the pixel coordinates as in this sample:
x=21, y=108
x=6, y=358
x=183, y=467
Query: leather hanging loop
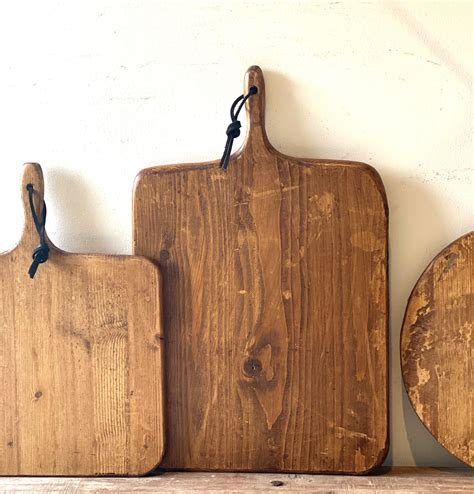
x=233, y=130
x=40, y=253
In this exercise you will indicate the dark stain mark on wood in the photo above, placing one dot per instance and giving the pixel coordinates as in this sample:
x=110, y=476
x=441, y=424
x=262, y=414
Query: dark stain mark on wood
x=450, y=263
x=277, y=483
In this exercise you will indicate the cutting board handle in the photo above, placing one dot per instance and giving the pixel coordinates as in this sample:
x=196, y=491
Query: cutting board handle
x=32, y=174
x=255, y=107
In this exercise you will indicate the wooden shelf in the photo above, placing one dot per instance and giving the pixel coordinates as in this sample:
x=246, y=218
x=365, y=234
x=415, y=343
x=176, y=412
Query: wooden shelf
x=395, y=479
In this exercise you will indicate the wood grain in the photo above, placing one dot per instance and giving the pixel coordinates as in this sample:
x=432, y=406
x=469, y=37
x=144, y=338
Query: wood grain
x=275, y=293
x=437, y=348
x=402, y=480
x=80, y=360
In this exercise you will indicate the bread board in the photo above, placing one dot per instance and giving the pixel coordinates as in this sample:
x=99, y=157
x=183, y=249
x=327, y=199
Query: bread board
x=81, y=383
x=275, y=307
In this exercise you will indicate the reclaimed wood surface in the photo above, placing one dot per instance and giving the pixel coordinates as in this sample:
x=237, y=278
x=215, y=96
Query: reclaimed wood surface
x=401, y=480
x=80, y=360
x=275, y=307
x=437, y=348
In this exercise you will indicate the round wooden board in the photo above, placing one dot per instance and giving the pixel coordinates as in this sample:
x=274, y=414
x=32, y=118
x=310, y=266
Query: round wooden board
x=436, y=348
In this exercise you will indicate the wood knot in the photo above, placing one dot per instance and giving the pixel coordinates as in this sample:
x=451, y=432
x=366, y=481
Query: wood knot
x=164, y=255
x=38, y=395
x=277, y=483
x=252, y=367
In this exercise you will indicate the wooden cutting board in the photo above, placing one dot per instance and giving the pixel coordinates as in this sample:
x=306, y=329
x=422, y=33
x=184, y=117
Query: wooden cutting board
x=437, y=348
x=275, y=289
x=81, y=389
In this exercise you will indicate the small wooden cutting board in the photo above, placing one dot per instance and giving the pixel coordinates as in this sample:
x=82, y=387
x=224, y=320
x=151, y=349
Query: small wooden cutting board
x=437, y=348
x=81, y=389
x=275, y=289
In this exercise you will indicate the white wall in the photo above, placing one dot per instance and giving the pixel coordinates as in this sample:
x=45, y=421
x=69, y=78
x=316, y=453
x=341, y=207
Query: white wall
x=96, y=90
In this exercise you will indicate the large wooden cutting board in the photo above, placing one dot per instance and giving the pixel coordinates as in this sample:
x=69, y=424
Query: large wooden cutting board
x=80, y=360
x=437, y=348
x=275, y=296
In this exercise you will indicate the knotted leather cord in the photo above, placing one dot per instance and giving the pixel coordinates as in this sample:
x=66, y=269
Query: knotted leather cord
x=233, y=130
x=40, y=253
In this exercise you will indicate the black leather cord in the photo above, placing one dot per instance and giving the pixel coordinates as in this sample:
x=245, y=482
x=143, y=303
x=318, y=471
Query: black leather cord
x=40, y=253
x=233, y=130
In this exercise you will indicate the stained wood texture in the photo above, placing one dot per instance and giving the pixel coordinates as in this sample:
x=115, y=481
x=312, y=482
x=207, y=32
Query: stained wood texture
x=402, y=480
x=437, y=348
x=275, y=293
x=80, y=360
